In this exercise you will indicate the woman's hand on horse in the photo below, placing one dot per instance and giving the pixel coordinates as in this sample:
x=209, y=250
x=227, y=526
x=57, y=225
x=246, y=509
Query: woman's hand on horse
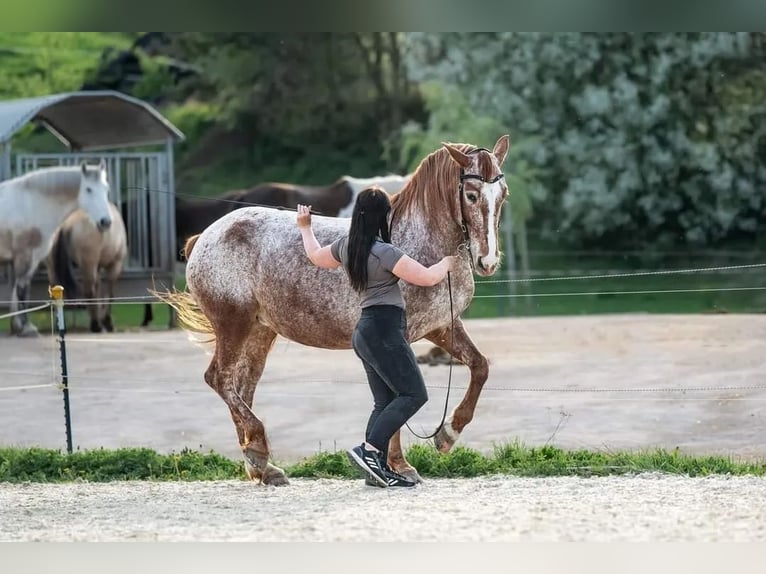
x=304, y=216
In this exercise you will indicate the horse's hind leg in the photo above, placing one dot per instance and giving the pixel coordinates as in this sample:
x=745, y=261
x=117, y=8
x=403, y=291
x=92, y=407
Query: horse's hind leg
x=148, y=315
x=465, y=351
x=233, y=373
x=112, y=272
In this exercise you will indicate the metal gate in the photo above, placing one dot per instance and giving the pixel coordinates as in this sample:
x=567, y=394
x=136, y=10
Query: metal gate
x=140, y=187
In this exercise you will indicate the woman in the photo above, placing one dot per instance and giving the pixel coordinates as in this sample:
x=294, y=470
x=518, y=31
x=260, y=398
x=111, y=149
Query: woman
x=374, y=268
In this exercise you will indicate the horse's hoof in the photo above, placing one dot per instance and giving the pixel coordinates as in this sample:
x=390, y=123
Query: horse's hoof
x=444, y=440
x=274, y=476
x=411, y=474
x=108, y=325
x=29, y=330
x=95, y=327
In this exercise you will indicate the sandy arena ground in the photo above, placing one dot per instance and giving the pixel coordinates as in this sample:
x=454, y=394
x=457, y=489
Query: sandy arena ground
x=597, y=382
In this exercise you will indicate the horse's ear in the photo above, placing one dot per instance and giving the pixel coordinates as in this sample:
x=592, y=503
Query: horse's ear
x=501, y=148
x=84, y=168
x=462, y=159
x=102, y=165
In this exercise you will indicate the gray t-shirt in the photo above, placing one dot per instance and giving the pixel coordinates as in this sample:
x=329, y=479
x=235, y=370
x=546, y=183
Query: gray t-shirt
x=382, y=284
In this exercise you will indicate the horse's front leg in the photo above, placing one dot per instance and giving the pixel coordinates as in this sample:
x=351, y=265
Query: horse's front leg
x=466, y=351
x=20, y=324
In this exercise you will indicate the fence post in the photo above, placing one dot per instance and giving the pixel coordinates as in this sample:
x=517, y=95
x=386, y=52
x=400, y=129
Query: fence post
x=57, y=294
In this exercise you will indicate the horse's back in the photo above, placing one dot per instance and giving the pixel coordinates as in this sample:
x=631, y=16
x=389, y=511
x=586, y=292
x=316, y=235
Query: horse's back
x=252, y=262
x=328, y=199
x=15, y=206
x=256, y=239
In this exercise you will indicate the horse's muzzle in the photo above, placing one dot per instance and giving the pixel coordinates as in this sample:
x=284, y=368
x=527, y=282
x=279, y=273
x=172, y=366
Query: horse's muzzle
x=104, y=223
x=485, y=270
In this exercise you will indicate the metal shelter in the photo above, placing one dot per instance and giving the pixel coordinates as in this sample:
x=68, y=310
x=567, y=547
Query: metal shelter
x=95, y=125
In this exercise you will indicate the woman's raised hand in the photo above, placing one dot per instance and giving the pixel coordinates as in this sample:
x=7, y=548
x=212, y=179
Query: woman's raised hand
x=304, y=216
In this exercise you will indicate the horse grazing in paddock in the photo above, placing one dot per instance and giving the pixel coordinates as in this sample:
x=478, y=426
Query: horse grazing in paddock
x=249, y=280
x=334, y=200
x=194, y=215
x=391, y=184
x=81, y=243
x=32, y=207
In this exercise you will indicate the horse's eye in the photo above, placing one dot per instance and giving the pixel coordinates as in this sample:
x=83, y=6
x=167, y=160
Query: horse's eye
x=471, y=197
x=89, y=190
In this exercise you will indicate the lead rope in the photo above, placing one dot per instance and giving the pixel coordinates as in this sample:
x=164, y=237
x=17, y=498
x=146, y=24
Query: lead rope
x=449, y=379
x=466, y=245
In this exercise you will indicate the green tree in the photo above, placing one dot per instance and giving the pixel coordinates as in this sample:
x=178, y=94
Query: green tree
x=336, y=96
x=644, y=139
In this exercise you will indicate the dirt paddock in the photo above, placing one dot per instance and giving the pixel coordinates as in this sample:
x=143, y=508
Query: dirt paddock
x=596, y=382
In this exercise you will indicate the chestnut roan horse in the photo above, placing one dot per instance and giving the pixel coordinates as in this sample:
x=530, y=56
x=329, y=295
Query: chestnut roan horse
x=249, y=280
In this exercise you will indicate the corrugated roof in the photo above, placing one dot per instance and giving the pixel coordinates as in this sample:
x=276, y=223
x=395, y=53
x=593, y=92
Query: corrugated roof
x=90, y=120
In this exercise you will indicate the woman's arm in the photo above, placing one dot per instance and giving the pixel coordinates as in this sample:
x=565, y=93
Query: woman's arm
x=319, y=256
x=413, y=272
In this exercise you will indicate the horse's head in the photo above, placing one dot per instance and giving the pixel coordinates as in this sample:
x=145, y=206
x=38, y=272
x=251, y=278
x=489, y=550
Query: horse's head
x=93, y=196
x=482, y=192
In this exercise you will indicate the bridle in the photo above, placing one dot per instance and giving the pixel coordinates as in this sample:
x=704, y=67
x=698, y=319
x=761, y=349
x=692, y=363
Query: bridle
x=465, y=245
x=461, y=196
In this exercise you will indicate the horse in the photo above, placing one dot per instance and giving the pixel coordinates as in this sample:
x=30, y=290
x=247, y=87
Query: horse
x=32, y=206
x=81, y=243
x=249, y=280
x=334, y=200
x=193, y=215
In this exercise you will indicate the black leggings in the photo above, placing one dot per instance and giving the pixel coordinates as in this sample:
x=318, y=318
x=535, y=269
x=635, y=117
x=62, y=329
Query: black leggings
x=397, y=385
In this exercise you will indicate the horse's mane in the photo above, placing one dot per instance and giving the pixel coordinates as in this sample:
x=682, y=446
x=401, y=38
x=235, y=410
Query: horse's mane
x=434, y=182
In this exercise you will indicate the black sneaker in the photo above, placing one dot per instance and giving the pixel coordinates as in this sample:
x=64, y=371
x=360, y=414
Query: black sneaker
x=392, y=478
x=395, y=479
x=368, y=461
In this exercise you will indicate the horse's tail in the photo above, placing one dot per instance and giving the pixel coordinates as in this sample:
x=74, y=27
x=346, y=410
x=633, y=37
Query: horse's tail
x=62, y=264
x=190, y=315
x=190, y=245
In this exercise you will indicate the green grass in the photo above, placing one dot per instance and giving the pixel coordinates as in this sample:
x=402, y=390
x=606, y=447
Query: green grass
x=129, y=317
x=41, y=63
x=101, y=465
x=548, y=298
x=125, y=318
x=560, y=297
x=44, y=465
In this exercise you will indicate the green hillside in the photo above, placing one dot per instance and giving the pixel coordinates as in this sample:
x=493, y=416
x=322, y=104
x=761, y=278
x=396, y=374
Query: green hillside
x=40, y=63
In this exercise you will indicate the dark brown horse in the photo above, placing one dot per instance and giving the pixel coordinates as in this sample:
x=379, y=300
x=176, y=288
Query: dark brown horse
x=193, y=216
x=249, y=280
